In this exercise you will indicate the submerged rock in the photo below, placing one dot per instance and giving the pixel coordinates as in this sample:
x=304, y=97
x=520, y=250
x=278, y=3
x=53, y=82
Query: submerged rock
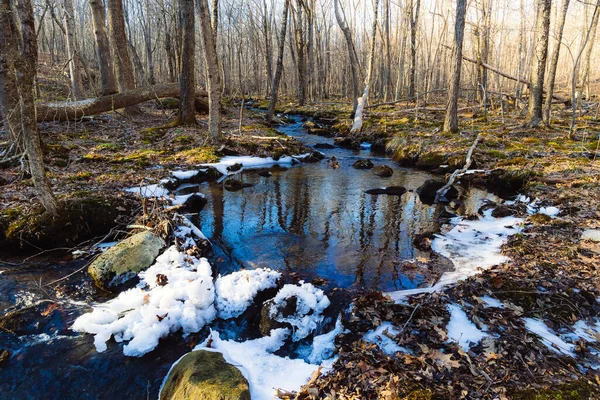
x=324, y=146
x=205, y=375
x=265, y=173
x=363, y=164
x=428, y=190
x=131, y=255
x=194, y=204
x=383, y=170
x=41, y=317
x=233, y=185
x=391, y=191
x=235, y=167
x=314, y=156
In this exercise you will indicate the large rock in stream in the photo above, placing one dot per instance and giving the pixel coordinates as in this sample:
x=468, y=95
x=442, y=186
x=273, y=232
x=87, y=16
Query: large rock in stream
x=205, y=375
x=131, y=255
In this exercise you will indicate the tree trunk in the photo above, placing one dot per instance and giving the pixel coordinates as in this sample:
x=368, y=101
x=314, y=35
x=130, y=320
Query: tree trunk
x=451, y=118
x=414, y=24
x=10, y=110
x=212, y=68
x=584, y=82
x=67, y=111
x=72, y=51
x=358, y=117
x=300, y=51
x=538, y=67
x=187, y=80
x=560, y=24
x=118, y=41
x=107, y=76
x=25, y=67
x=279, y=66
x=351, y=53
x=266, y=25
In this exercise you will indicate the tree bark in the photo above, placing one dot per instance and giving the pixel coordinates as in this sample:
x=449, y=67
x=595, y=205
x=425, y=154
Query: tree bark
x=560, y=24
x=351, y=53
x=67, y=111
x=10, y=110
x=72, y=51
x=187, y=80
x=212, y=67
x=107, y=76
x=25, y=66
x=451, y=118
x=358, y=117
x=414, y=24
x=300, y=51
x=538, y=67
x=279, y=66
x=118, y=41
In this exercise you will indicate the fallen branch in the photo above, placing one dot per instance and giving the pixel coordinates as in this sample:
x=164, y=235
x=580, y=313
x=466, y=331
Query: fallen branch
x=73, y=110
x=459, y=172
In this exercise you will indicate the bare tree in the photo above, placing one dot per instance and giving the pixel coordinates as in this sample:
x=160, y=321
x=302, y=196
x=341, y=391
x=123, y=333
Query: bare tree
x=21, y=63
x=560, y=24
x=107, y=76
x=341, y=20
x=279, y=66
x=73, y=51
x=538, y=66
x=413, y=20
x=187, y=114
x=451, y=118
x=212, y=67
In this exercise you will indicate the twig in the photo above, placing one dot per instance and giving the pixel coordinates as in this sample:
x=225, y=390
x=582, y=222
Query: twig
x=442, y=191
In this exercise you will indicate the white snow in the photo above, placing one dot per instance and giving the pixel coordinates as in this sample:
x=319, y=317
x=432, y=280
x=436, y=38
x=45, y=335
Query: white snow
x=181, y=175
x=311, y=302
x=250, y=162
x=461, y=329
x=381, y=337
x=143, y=315
x=472, y=246
x=491, y=302
x=264, y=371
x=548, y=337
x=365, y=146
x=106, y=245
x=236, y=291
x=324, y=345
x=591, y=234
x=155, y=190
x=536, y=208
x=586, y=331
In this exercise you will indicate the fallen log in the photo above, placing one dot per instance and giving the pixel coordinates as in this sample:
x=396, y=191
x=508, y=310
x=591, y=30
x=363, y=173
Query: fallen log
x=73, y=110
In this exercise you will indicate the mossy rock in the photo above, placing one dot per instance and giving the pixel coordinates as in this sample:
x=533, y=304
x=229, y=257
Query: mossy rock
x=81, y=216
x=205, y=375
x=131, y=255
x=431, y=160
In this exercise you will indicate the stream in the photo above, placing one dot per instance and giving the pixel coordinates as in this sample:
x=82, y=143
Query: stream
x=310, y=221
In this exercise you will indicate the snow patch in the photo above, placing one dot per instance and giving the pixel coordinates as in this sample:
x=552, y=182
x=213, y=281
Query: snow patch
x=472, y=246
x=175, y=293
x=461, y=329
x=250, y=162
x=155, y=190
x=381, y=337
x=311, y=302
x=587, y=331
x=324, y=345
x=365, y=146
x=491, y=302
x=548, y=337
x=264, y=371
x=182, y=175
x=236, y=291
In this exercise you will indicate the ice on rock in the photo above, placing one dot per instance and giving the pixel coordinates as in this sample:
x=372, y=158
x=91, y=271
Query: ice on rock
x=175, y=293
x=382, y=338
x=264, y=371
x=236, y=291
x=311, y=302
x=461, y=329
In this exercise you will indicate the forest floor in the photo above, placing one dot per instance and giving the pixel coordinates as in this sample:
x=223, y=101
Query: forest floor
x=552, y=274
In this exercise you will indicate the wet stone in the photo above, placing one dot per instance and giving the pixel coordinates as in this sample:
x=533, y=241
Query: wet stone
x=383, y=170
x=363, y=164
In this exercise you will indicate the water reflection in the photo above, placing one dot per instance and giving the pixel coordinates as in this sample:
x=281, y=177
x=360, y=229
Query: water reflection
x=318, y=222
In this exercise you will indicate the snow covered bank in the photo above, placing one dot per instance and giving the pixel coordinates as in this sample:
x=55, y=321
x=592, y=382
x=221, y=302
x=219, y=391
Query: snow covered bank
x=472, y=246
x=252, y=162
x=175, y=293
x=461, y=329
x=264, y=370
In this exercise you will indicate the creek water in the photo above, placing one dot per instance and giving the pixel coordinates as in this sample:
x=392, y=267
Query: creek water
x=310, y=221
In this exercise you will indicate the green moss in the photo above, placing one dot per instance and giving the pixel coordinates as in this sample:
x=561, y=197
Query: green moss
x=81, y=176
x=512, y=161
x=183, y=140
x=108, y=146
x=578, y=390
x=539, y=219
x=196, y=155
x=431, y=160
x=496, y=154
x=60, y=162
x=94, y=157
x=205, y=375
